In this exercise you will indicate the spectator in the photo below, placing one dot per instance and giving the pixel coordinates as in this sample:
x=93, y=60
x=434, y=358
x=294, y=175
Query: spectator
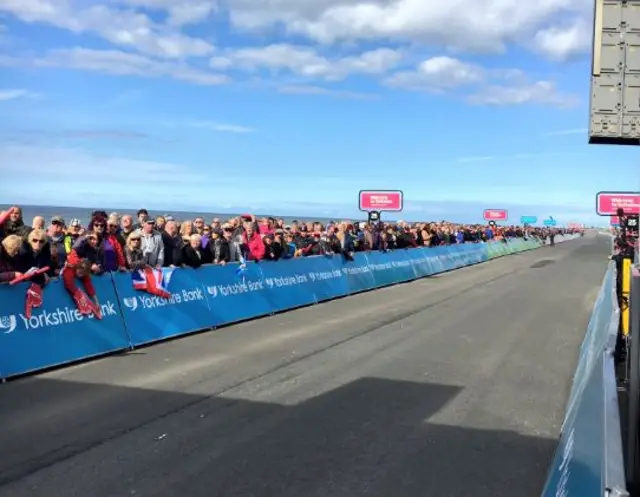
x=161, y=221
x=35, y=253
x=173, y=244
x=219, y=247
x=73, y=233
x=80, y=269
x=127, y=227
x=87, y=247
x=252, y=242
x=113, y=247
x=206, y=236
x=133, y=251
x=234, y=241
x=193, y=254
x=13, y=224
x=152, y=245
x=198, y=226
x=142, y=215
x=272, y=250
x=57, y=243
x=9, y=260
x=38, y=223
x=186, y=229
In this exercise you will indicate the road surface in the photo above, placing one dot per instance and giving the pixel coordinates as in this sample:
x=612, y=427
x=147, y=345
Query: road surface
x=454, y=385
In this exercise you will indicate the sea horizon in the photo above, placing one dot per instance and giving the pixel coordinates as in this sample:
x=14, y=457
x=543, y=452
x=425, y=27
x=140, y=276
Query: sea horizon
x=29, y=211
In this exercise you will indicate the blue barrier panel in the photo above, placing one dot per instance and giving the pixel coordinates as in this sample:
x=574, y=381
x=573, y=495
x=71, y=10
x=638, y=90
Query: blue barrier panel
x=56, y=333
x=420, y=262
x=327, y=277
x=384, y=273
x=149, y=318
x=235, y=295
x=403, y=268
x=589, y=441
x=291, y=283
x=357, y=273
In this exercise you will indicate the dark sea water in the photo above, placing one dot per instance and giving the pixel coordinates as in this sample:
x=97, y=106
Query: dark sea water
x=83, y=213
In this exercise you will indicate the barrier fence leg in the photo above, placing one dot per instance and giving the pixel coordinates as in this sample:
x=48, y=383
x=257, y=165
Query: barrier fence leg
x=631, y=452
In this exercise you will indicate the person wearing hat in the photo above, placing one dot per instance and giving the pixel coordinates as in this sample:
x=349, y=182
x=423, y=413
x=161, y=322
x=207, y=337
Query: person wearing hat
x=56, y=239
x=152, y=244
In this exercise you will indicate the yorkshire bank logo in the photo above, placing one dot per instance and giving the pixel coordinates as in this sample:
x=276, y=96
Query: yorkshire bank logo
x=148, y=301
x=8, y=324
x=51, y=318
x=131, y=303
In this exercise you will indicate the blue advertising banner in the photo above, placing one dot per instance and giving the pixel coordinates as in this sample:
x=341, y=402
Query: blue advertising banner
x=149, y=318
x=291, y=283
x=56, y=333
x=357, y=273
x=203, y=298
x=235, y=294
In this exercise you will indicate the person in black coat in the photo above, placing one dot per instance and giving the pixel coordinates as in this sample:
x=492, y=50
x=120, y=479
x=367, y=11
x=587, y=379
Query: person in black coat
x=193, y=255
x=36, y=253
x=219, y=247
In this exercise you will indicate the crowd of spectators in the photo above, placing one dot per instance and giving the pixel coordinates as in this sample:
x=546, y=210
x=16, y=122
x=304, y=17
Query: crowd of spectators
x=111, y=242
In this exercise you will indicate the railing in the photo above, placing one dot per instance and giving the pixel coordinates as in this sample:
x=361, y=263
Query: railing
x=589, y=457
x=206, y=298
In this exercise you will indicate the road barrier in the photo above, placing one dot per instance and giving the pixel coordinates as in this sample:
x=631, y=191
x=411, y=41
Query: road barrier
x=589, y=460
x=205, y=298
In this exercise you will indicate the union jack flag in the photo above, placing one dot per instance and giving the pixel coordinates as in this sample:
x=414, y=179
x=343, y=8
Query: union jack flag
x=152, y=280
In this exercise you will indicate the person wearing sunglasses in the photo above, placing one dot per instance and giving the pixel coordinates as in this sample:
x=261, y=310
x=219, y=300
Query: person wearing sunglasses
x=36, y=253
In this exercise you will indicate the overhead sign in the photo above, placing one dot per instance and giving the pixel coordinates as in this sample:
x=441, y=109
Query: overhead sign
x=381, y=200
x=528, y=220
x=608, y=203
x=549, y=222
x=495, y=214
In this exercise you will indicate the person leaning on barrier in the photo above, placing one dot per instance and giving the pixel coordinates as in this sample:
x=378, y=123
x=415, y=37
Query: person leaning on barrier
x=133, y=252
x=9, y=258
x=219, y=246
x=80, y=269
x=36, y=253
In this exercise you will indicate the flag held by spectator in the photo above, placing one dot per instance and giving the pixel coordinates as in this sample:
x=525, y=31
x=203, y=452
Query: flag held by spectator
x=153, y=281
x=34, y=299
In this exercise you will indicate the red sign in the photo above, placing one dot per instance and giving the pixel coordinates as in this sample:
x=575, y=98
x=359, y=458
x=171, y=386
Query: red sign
x=608, y=203
x=615, y=221
x=495, y=215
x=574, y=226
x=381, y=200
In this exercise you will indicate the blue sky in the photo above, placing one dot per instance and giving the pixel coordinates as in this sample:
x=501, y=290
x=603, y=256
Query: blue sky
x=288, y=106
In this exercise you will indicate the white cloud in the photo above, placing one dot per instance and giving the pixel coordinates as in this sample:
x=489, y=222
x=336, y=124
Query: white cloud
x=305, y=61
x=17, y=93
x=486, y=25
x=563, y=42
x=123, y=27
x=116, y=62
x=482, y=86
x=437, y=74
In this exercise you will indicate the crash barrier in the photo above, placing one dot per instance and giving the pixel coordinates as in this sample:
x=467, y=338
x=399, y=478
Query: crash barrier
x=588, y=459
x=205, y=298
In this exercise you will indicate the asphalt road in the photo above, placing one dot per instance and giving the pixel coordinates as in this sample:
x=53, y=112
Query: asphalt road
x=449, y=386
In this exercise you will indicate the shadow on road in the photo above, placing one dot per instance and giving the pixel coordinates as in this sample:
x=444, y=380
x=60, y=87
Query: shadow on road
x=369, y=437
